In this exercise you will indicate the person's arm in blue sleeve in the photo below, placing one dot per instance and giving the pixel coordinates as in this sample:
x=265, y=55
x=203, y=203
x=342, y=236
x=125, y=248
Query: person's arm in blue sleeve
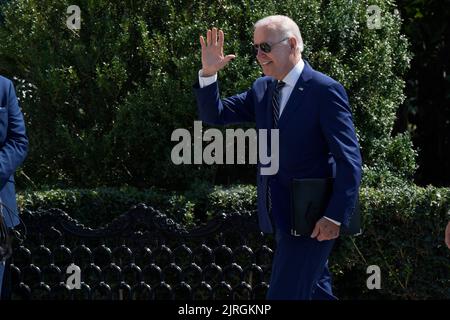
x=338, y=129
x=14, y=149
x=216, y=111
x=212, y=109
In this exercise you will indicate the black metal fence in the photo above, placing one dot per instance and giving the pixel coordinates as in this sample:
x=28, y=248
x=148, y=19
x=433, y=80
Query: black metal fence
x=141, y=255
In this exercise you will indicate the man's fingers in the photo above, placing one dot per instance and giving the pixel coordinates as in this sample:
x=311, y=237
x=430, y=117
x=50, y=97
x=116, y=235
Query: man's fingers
x=321, y=236
x=321, y=232
x=221, y=38
x=315, y=232
x=229, y=57
x=202, y=42
x=225, y=60
x=211, y=37
x=212, y=50
x=208, y=38
x=214, y=37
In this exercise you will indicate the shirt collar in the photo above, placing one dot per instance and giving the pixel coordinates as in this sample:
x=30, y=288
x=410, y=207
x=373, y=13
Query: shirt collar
x=291, y=78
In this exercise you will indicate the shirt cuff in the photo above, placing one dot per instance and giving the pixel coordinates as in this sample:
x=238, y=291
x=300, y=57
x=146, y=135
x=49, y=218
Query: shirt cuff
x=334, y=221
x=206, y=81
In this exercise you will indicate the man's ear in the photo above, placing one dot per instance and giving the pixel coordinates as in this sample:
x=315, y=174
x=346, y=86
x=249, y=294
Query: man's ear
x=293, y=43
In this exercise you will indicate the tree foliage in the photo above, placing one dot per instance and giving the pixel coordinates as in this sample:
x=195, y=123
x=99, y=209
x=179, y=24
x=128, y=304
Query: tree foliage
x=101, y=102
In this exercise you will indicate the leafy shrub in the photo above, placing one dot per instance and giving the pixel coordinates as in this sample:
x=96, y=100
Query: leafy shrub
x=100, y=103
x=96, y=207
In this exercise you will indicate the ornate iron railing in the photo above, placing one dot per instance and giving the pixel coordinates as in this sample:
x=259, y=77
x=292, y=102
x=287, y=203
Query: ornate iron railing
x=141, y=255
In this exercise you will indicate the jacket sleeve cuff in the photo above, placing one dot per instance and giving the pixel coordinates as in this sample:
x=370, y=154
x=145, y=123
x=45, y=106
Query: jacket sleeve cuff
x=334, y=221
x=206, y=81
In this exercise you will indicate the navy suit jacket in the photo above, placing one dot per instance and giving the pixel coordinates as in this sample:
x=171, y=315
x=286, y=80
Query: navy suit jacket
x=13, y=148
x=316, y=140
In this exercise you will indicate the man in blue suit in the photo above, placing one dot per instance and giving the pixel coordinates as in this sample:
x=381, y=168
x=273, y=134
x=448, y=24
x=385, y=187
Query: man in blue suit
x=13, y=150
x=316, y=140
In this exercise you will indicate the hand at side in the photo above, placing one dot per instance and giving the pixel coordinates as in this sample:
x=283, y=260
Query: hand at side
x=325, y=230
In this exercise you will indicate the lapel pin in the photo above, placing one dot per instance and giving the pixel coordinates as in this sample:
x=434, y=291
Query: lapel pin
x=301, y=88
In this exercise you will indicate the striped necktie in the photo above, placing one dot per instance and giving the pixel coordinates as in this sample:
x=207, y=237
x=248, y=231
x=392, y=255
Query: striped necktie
x=276, y=99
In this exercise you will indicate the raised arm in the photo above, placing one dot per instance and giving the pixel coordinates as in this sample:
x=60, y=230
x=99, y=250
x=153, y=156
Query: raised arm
x=212, y=109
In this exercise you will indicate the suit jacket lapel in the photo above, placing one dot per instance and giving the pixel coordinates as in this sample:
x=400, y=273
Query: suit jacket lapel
x=295, y=99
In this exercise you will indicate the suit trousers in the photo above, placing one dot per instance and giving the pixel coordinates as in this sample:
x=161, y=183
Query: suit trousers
x=5, y=279
x=300, y=269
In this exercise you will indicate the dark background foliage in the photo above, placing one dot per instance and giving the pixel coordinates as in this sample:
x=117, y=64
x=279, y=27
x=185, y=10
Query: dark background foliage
x=426, y=111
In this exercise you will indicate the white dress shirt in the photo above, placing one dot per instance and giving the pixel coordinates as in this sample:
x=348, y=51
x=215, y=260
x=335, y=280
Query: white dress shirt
x=290, y=80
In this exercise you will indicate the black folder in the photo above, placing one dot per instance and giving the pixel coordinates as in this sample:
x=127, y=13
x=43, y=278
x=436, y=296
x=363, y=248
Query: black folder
x=310, y=198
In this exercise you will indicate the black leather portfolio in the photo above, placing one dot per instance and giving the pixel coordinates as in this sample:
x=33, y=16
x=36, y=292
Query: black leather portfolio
x=310, y=198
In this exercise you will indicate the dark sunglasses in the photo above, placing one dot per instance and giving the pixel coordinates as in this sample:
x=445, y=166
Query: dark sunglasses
x=265, y=47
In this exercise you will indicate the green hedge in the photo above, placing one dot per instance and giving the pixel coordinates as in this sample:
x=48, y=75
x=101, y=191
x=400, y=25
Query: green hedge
x=404, y=236
x=95, y=207
x=100, y=104
x=403, y=230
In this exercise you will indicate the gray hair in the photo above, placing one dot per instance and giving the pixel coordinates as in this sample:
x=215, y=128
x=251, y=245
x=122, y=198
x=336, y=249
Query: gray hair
x=284, y=25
